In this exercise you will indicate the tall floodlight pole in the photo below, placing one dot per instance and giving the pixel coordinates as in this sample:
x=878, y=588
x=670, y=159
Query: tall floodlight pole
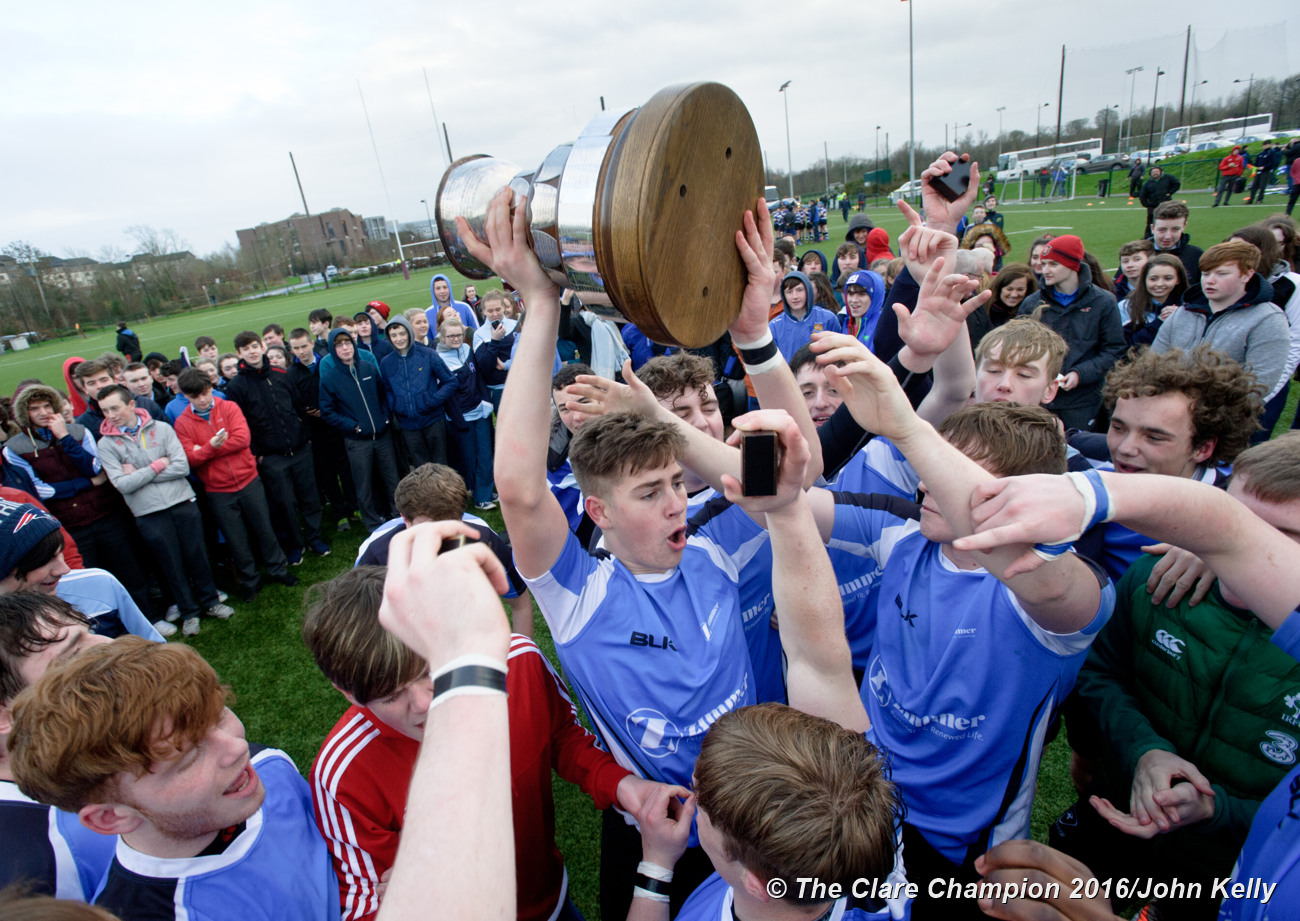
x=1155, y=101
x=1249, y=86
x=1133, y=72
x=911, y=102
x=427, y=218
x=788, y=154
x=1191, y=110
x=1001, y=109
x=877, y=182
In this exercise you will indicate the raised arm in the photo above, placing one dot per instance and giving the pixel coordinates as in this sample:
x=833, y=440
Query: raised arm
x=774, y=383
x=1258, y=562
x=538, y=528
x=457, y=851
x=819, y=674
x=1067, y=597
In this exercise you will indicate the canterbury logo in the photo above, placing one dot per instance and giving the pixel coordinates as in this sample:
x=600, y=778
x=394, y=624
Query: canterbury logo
x=1169, y=643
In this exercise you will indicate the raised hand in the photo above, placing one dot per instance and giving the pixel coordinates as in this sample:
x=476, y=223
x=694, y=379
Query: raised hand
x=867, y=385
x=940, y=213
x=445, y=605
x=940, y=311
x=508, y=249
x=920, y=245
x=594, y=396
x=755, y=244
x=1150, y=803
x=793, y=453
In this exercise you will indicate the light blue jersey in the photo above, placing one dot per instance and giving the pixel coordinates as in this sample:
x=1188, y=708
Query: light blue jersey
x=564, y=486
x=729, y=526
x=879, y=467
x=97, y=594
x=276, y=869
x=49, y=849
x=962, y=683
x=654, y=658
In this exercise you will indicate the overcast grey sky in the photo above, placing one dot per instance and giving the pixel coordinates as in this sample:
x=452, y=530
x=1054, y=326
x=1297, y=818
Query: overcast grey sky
x=182, y=117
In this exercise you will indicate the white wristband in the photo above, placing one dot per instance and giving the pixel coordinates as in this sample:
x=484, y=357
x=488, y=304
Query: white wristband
x=654, y=871
x=756, y=344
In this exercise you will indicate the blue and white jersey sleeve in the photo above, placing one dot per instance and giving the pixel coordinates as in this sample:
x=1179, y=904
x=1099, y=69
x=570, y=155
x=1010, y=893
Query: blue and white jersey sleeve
x=878, y=468
x=572, y=590
x=112, y=612
x=49, y=849
x=871, y=525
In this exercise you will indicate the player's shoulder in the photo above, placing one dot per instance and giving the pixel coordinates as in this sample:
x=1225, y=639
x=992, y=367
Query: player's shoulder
x=523, y=646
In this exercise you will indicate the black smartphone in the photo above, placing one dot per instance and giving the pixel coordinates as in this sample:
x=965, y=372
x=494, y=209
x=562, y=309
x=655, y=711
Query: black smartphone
x=496, y=324
x=455, y=543
x=954, y=185
x=758, y=463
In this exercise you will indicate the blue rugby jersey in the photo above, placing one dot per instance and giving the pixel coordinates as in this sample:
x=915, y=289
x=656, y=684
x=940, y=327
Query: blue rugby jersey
x=654, y=658
x=48, y=849
x=729, y=525
x=277, y=869
x=962, y=683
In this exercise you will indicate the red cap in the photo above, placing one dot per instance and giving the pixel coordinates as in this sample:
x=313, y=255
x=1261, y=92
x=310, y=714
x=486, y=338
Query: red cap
x=380, y=306
x=1067, y=250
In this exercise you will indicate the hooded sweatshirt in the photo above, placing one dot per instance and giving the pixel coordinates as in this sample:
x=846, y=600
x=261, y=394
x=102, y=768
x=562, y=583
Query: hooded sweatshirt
x=792, y=334
x=467, y=314
x=351, y=399
x=470, y=402
x=864, y=328
x=145, y=490
x=78, y=401
x=1253, y=331
x=60, y=469
x=417, y=383
x=877, y=246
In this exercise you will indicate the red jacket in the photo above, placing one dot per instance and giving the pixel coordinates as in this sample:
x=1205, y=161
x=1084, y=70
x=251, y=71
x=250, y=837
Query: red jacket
x=1232, y=165
x=361, y=776
x=228, y=468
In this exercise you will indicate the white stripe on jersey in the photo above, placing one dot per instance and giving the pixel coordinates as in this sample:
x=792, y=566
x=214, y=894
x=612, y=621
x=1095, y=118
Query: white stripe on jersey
x=521, y=645
x=178, y=900
x=881, y=549
x=375, y=534
x=67, y=879
x=546, y=588
x=332, y=763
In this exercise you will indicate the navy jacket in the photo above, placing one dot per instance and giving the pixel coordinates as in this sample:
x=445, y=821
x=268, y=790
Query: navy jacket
x=351, y=398
x=417, y=385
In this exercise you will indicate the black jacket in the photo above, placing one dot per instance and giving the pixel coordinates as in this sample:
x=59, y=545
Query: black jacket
x=1090, y=325
x=1190, y=257
x=1158, y=191
x=271, y=408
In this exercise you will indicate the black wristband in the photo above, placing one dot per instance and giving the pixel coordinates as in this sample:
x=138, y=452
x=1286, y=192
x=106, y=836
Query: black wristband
x=755, y=357
x=478, y=676
x=657, y=886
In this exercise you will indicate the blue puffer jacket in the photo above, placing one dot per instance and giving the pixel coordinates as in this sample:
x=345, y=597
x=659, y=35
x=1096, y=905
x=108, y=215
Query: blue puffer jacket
x=416, y=385
x=351, y=398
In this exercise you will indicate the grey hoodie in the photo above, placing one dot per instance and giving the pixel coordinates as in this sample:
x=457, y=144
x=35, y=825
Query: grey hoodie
x=145, y=492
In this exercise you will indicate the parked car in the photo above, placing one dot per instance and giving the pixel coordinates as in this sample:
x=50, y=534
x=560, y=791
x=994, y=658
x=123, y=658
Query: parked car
x=331, y=271
x=909, y=190
x=1105, y=163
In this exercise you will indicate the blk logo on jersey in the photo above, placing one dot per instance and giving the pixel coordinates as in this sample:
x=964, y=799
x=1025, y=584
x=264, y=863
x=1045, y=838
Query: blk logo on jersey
x=1169, y=643
x=907, y=615
x=651, y=641
x=654, y=733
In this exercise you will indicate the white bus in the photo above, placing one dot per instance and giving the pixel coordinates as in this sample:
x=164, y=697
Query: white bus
x=1225, y=130
x=1011, y=166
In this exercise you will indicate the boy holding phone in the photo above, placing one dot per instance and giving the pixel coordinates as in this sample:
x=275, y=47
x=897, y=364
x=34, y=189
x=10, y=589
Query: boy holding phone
x=216, y=440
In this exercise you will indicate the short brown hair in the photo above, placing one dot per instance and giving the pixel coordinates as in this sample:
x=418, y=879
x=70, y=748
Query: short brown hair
x=796, y=795
x=1271, y=470
x=1022, y=340
x=1133, y=247
x=1226, y=398
x=1170, y=210
x=29, y=622
x=609, y=448
x=340, y=626
x=1245, y=255
x=1007, y=438
x=102, y=713
x=91, y=368
x=193, y=383
x=1261, y=237
x=432, y=491
x=681, y=372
